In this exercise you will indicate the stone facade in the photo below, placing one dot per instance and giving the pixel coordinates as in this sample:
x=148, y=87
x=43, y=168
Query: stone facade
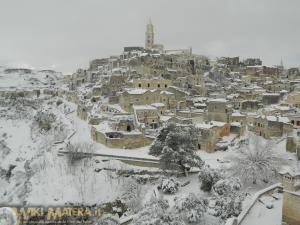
x=291, y=208
x=123, y=140
x=160, y=84
x=217, y=110
x=291, y=196
x=210, y=134
x=146, y=116
x=270, y=126
x=294, y=99
x=271, y=98
x=146, y=97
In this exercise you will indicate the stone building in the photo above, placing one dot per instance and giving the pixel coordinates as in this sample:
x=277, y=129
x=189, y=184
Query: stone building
x=249, y=106
x=218, y=110
x=252, y=62
x=178, y=93
x=210, y=134
x=290, y=179
x=277, y=86
x=293, y=73
x=270, y=126
x=261, y=71
x=97, y=63
x=132, y=97
x=146, y=116
x=160, y=84
x=114, y=84
x=124, y=138
x=294, y=99
x=83, y=110
x=229, y=61
x=271, y=98
x=238, y=123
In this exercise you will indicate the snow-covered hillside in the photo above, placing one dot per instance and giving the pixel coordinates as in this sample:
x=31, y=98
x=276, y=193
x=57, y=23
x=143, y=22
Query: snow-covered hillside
x=26, y=78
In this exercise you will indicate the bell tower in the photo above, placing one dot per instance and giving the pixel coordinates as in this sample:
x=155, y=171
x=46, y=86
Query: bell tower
x=149, y=36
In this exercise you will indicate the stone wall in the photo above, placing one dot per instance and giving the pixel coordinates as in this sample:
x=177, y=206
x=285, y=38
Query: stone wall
x=291, y=208
x=160, y=84
x=127, y=141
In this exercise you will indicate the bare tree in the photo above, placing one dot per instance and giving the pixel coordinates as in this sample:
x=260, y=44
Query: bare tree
x=78, y=152
x=79, y=162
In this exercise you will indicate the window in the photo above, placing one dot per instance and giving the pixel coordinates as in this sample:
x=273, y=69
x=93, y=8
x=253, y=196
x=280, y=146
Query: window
x=140, y=85
x=166, y=86
x=298, y=123
x=148, y=84
x=158, y=85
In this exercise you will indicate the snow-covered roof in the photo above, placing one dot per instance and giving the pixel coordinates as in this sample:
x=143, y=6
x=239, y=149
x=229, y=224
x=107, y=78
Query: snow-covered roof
x=136, y=91
x=237, y=113
x=278, y=118
x=158, y=104
x=143, y=107
x=235, y=124
x=271, y=94
x=291, y=171
x=166, y=92
x=217, y=100
x=209, y=125
x=104, y=127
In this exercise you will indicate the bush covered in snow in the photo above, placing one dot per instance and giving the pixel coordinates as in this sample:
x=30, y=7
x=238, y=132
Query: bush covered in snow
x=176, y=147
x=226, y=206
x=107, y=220
x=169, y=185
x=45, y=119
x=156, y=212
x=132, y=195
x=78, y=151
x=227, y=186
x=208, y=177
x=190, y=207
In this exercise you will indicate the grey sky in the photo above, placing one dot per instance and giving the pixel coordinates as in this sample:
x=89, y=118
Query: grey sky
x=67, y=34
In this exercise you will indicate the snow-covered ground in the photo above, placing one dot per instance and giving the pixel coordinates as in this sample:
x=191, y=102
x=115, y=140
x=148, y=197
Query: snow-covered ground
x=40, y=175
x=13, y=78
x=32, y=172
x=260, y=214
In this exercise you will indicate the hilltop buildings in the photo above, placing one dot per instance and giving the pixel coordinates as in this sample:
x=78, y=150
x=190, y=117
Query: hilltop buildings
x=156, y=86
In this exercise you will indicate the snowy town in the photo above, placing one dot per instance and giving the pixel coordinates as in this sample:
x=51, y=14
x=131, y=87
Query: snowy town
x=155, y=136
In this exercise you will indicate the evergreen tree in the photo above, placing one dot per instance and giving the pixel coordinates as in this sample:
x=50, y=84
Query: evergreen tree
x=176, y=147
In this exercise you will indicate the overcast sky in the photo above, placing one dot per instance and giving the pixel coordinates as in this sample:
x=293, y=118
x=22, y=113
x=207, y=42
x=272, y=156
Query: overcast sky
x=67, y=34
